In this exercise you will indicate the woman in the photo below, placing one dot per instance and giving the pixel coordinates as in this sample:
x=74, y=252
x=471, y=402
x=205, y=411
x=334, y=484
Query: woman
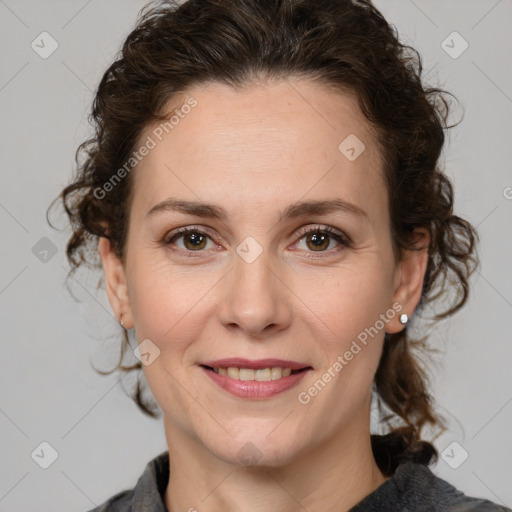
x=264, y=195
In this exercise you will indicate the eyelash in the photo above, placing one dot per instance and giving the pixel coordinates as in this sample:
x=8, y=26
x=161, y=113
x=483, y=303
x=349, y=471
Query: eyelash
x=328, y=230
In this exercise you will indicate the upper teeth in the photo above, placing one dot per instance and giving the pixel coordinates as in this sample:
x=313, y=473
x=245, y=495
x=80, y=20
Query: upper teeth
x=263, y=374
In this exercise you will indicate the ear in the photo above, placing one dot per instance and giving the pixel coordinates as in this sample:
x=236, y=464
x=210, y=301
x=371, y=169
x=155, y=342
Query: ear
x=409, y=277
x=116, y=283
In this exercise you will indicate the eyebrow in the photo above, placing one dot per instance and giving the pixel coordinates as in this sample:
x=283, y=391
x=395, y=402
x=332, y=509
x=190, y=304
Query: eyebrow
x=299, y=209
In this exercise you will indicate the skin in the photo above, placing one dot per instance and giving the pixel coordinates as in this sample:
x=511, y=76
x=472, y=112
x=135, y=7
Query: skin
x=254, y=152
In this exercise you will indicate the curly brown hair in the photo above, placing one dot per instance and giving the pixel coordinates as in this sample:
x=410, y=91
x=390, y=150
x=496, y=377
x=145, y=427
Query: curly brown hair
x=344, y=44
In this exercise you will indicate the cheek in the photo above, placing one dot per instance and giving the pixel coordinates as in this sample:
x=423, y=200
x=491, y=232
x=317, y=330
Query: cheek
x=166, y=306
x=347, y=302
x=349, y=333
x=163, y=299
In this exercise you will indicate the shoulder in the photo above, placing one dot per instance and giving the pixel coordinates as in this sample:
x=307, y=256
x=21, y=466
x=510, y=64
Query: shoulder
x=453, y=500
x=148, y=493
x=414, y=486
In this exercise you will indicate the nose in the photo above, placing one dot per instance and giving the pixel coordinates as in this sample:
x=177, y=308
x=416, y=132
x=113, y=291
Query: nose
x=255, y=298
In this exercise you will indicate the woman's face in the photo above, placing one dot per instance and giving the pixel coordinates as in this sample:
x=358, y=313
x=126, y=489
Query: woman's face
x=253, y=284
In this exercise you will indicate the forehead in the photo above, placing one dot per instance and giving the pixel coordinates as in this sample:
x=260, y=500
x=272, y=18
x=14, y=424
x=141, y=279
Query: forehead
x=263, y=145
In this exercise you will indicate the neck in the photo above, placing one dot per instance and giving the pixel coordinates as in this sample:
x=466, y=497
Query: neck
x=332, y=476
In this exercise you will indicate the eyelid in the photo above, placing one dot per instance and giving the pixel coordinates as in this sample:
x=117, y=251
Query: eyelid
x=175, y=233
x=324, y=229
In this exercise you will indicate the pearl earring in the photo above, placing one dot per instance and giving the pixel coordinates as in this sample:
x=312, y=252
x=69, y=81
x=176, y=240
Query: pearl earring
x=403, y=318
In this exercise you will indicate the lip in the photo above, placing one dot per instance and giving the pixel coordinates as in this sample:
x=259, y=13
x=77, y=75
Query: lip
x=237, y=362
x=253, y=389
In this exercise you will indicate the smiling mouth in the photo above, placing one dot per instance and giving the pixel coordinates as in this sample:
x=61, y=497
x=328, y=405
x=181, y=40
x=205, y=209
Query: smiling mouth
x=261, y=375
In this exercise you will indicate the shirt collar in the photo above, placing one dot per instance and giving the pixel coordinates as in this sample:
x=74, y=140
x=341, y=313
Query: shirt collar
x=149, y=492
x=413, y=486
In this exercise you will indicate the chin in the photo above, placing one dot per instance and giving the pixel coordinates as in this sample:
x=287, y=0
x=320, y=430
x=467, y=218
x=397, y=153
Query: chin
x=256, y=451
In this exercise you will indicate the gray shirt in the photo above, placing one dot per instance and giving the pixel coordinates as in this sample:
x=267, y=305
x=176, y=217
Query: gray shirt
x=412, y=488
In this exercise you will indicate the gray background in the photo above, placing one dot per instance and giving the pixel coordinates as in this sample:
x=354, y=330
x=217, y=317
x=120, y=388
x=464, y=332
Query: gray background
x=49, y=392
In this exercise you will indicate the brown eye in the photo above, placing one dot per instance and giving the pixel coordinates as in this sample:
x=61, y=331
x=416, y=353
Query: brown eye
x=194, y=239
x=319, y=241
